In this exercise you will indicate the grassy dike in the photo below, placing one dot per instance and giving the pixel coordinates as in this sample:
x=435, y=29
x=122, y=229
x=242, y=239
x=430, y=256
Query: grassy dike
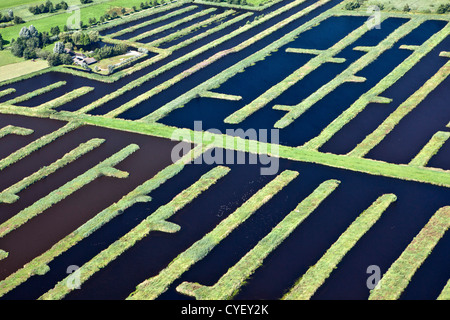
x=157, y=221
x=19, y=131
x=404, y=109
x=397, y=278
x=230, y=283
x=155, y=286
x=9, y=195
x=316, y=275
x=373, y=95
x=430, y=149
x=66, y=98
x=140, y=194
x=105, y=168
x=5, y=92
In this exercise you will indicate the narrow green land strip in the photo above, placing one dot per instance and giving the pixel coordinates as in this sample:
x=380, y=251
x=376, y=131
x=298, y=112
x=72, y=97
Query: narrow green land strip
x=316, y=275
x=140, y=194
x=105, y=168
x=19, y=131
x=397, y=278
x=187, y=30
x=404, y=109
x=348, y=74
x=359, y=105
x=171, y=25
x=157, y=221
x=230, y=283
x=9, y=195
x=221, y=96
x=37, y=144
x=66, y=98
x=35, y=93
x=6, y=92
x=322, y=57
x=430, y=149
x=151, y=21
x=153, y=287
x=223, y=76
x=445, y=293
x=3, y=254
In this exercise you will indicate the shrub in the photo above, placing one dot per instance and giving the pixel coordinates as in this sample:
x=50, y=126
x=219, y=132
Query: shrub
x=443, y=8
x=352, y=5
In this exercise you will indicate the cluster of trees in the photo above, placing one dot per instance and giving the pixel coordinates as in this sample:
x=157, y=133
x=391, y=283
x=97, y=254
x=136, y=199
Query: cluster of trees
x=48, y=7
x=86, y=1
x=235, y=2
x=30, y=42
x=109, y=51
x=58, y=56
x=1, y=42
x=443, y=8
x=9, y=16
x=353, y=5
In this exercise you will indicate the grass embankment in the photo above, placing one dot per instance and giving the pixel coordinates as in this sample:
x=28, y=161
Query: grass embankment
x=157, y=221
x=445, y=293
x=416, y=6
x=293, y=112
x=5, y=92
x=230, y=283
x=322, y=57
x=397, y=278
x=221, y=96
x=215, y=81
x=105, y=168
x=140, y=194
x=66, y=98
x=153, y=287
x=37, y=144
x=19, y=131
x=406, y=107
x=316, y=275
x=430, y=149
x=35, y=93
x=9, y=195
x=373, y=95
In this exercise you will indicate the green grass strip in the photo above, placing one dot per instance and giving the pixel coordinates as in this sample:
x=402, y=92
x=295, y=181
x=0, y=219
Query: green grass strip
x=140, y=194
x=37, y=144
x=6, y=92
x=404, y=109
x=157, y=221
x=316, y=275
x=347, y=75
x=430, y=149
x=230, y=283
x=153, y=287
x=371, y=95
x=3, y=254
x=397, y=278
x=35, y=93
x=171, y=25
x=66, y=98
x=150, y=22
x=19, y=131
x=105, y=168
x=9, y=195
x=221, y=96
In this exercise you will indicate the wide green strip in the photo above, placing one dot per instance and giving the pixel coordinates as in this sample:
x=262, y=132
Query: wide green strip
x=316, y=275
x=153, y=287
x=230, y=283
x=37, y=144
x=157, y=221
x=397, y=278
x=137, y=195
x=19, y=131
x=9, y=195
x=430, y=149
x=105, y=168
x=402, y=111
x=35, y=93
x=66, y=98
